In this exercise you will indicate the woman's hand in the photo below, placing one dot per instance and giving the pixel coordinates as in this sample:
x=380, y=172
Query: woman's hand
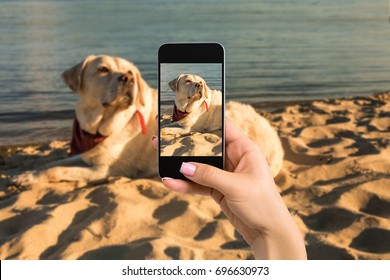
x=247, y=194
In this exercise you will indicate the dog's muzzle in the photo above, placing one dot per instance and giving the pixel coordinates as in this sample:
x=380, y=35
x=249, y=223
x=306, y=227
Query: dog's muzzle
x=127, y=84
x=198, y=92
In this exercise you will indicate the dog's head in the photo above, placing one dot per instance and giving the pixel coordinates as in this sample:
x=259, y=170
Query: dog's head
x=191, y=91
x=106, y=82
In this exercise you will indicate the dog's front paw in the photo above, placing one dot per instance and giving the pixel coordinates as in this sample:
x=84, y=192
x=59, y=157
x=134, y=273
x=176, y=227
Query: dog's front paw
x=174, y=131
x=26, y=179
x=54, y=174
x=164, y=131
x=30, y=178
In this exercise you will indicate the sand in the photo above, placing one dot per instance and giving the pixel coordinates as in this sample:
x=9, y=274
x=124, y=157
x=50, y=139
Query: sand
x=335, y=181
x=191, y=144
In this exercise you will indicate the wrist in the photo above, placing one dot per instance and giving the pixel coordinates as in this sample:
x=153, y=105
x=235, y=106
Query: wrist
x=280, y=243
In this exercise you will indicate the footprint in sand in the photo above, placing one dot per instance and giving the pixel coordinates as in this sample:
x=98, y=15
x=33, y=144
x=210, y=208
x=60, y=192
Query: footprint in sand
x=377, y=206
x=236, y=244
x=173, y=252
x=207, y=232
x=15, y=226
x=171, y=210
x=330, y=220
x=217, y=150
x=221, y=216
x=137, y=250
x=152, y=192
x=187, y=145
x=338, y=119
x=212, y=138
x=239, y=243
x=317, y=250
x=372, y=240
x=53, y=197
x=365, y=147
x=324, y=142
x=334, y=195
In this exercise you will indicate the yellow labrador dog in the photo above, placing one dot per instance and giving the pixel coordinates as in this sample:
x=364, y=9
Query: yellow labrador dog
x=115, y=121
x=198, y=108
x=114, y=124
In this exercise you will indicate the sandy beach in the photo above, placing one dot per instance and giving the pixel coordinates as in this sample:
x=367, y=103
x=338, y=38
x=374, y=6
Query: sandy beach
x=335, y=181
x=193, y=144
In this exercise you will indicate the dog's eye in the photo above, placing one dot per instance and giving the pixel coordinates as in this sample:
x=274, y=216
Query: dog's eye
x=103, y=69
x=188, y=82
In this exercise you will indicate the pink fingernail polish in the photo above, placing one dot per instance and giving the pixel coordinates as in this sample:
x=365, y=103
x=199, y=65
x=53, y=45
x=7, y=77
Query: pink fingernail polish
x=187, y=169
x=165, y=178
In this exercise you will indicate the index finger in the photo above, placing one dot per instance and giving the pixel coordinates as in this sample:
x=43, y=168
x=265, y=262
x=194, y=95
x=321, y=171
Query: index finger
x=233, y=134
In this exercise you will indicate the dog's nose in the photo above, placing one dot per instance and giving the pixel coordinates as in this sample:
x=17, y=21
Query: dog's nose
x=198, y=85
x=126, y=77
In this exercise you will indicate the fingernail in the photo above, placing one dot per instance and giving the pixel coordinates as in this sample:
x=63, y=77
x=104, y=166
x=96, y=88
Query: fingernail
x=187, y=169
x=165, y=178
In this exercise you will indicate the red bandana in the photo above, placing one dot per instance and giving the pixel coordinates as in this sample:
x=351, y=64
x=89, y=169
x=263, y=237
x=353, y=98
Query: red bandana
x=142, y=122
x=178, y=115
x=83, y=141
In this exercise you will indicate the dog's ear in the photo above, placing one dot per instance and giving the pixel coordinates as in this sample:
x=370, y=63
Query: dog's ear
x=73, y=76
x=141, y=84
x=175, y=83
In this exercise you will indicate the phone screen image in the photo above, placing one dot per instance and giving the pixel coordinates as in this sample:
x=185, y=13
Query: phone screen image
x=191, y=107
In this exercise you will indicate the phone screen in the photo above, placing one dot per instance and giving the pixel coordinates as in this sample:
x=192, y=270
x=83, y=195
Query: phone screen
x=191, y=105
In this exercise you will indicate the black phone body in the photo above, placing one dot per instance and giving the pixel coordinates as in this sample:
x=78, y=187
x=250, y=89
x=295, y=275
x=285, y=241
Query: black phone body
x=191, y=98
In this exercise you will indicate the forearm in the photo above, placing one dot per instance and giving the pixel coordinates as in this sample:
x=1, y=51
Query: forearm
x=284, y=244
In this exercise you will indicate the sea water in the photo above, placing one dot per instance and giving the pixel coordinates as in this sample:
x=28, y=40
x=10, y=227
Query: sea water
x=276, y=50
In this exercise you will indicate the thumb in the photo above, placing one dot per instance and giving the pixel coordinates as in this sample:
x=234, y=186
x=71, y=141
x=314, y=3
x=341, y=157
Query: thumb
x=209, y=176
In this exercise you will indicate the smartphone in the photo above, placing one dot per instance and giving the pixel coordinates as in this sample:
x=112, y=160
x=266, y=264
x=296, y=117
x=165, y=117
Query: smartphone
x=191, y=99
